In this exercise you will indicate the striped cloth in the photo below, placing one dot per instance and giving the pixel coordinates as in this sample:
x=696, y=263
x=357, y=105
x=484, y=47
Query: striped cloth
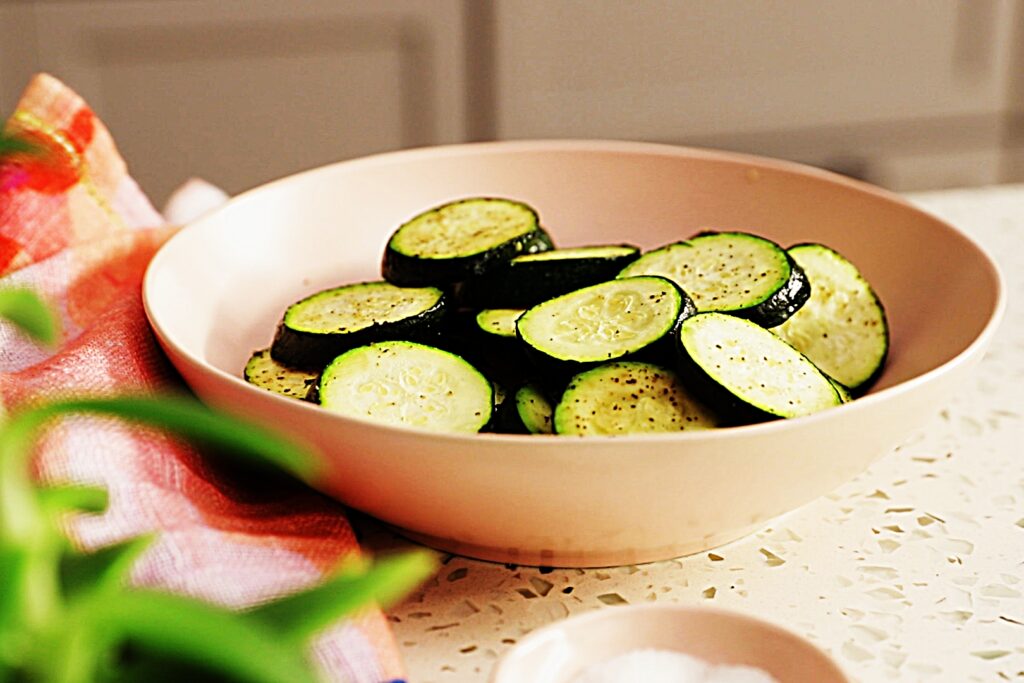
x=76, y=228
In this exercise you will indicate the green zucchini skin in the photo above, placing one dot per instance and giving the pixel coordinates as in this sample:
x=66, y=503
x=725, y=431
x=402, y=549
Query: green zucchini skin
x=845, y=395
x=628, y=397
x=500, y=358
x=405, y=266
x=502, y=355
x=843, y=327
x=534, y=410
x=313, y=349
x=498, y=322
x=501, y=400
x=527, y=411
x=525, y=282
x=789, y=298
x=704, y=268
x=263, y=371
x=530, y=327
x=713, y=376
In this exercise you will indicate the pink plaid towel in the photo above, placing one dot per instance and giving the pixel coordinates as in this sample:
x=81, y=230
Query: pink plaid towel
x=80, y=232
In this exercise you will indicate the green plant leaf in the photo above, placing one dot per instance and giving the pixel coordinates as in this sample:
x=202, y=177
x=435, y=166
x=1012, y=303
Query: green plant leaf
x=21, y=517
x=105, y=570
x=147, y=667
x=231, y=643
x=78, y=640
x=12, y=144
x=190, y=419
x=354, y=586
x=12, y=568
x=27, y=533
x=60, y=499
x=26, y=524
x=29, y=312
x=76, y=652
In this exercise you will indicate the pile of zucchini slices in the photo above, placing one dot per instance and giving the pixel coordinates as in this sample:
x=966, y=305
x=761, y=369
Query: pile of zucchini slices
x=480, y=324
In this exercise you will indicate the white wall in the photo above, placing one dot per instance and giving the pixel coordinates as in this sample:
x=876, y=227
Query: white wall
x=907, y=93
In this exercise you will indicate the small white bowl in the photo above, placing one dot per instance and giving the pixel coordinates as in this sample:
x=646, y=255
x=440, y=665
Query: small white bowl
x=559, y=652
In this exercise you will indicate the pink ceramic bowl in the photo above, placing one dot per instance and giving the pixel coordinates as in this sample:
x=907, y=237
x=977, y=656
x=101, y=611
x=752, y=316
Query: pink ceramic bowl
x=558, y=653
x=216, y=290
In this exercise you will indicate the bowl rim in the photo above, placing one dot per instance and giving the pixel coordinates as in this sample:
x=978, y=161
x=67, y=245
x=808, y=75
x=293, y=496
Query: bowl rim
x=166, y=338
x=586, y=619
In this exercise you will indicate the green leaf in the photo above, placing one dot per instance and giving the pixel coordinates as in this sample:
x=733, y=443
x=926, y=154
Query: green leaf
x=12, y=144
x=24, y=308
x=27, y=532
x=26, y=524
x=147, y=667
x=105, y=570
x=12, y=566
x=60, y=499
x=75, y=655
x=192, y=420
x=354, y=586
x=21, y=517
x=235, y=645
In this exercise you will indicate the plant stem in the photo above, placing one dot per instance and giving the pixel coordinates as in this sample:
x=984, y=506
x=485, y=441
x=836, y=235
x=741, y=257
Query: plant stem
x=25, y=526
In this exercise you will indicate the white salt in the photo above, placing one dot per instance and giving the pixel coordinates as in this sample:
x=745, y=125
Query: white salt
x=665, y=666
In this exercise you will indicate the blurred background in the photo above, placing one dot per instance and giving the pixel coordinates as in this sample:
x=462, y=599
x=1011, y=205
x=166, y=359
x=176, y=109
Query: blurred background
x=908, y=94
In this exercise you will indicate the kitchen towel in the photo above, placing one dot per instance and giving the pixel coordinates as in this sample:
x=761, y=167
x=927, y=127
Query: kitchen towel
x=77, y=229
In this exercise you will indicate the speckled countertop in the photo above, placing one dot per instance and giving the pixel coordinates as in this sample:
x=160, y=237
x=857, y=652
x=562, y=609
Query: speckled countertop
x=914, y=571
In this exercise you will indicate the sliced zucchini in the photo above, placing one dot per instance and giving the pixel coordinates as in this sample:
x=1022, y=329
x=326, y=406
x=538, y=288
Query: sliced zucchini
x=328, y=323
x=527, y=410
x=742, y=369
x=461, y=239
x=731, y=272
x=842, y=328
x=629, y=398
x=266, y=373
x=502, y=401
x=844, y=392
x=533, y=278
x=410, y=384
x=500, y=322
x=534, y=410
x=501, y=358
x=603, y=322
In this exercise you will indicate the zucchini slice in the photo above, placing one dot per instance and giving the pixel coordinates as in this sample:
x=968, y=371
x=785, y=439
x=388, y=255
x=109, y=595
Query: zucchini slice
x=534, y=410
x=266, y=373
x=487, y=340
x=499, y=322
x=603, y=322
x=316, y=329
x=629, y=398
x=410, y=384
x=532, y=278
x=502, y=401
x=844, y=392
x=743, y=369
x=527, y=411
x=461, y=239
x=842, y=328
x=731, y=272
x=501, y=355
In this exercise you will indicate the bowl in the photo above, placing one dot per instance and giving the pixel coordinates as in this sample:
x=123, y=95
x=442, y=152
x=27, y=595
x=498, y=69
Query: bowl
x=559, y=652
x=216, y=290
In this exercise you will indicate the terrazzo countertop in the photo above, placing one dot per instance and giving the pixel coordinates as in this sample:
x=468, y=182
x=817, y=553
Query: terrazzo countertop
x=913, y=571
